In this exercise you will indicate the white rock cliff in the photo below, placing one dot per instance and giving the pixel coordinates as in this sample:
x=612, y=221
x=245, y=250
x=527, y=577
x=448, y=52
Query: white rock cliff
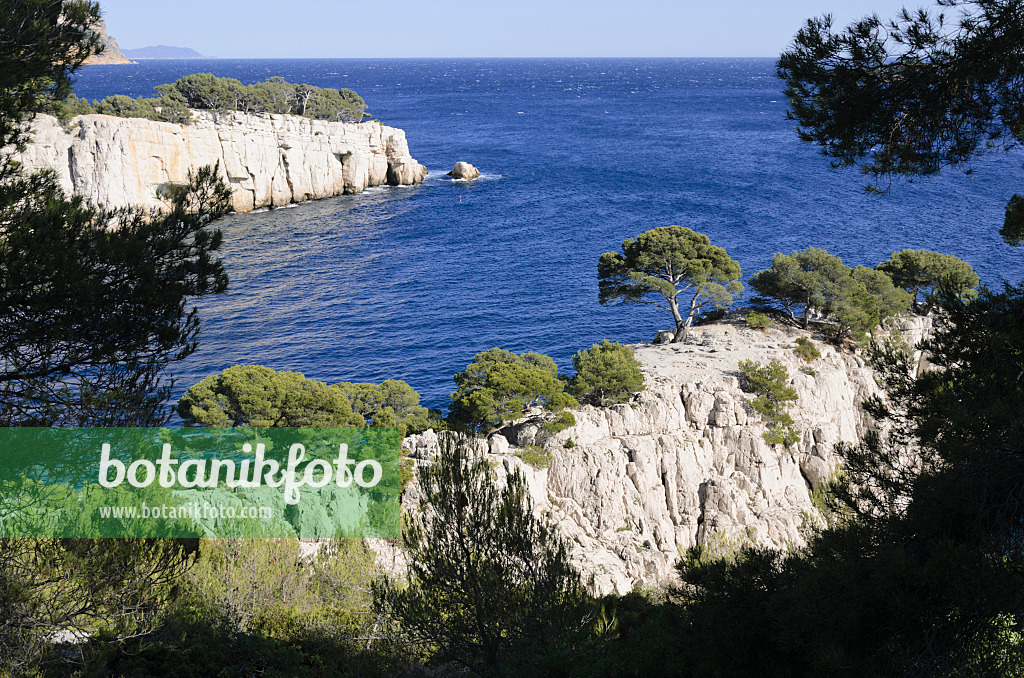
x=686, y=463
x=268, y=160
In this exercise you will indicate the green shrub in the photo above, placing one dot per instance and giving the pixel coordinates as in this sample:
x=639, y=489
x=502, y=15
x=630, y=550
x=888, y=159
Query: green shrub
x=568, y=444
x=266, y=587
x=781, y=434
x=391, y=403
x=854, y=300
x=758, y=321
x=536, y=456
x=253, y=395
x=564, y=420
x=771, y=385
x=806, y=350
x=606, y=374
x=498, y=387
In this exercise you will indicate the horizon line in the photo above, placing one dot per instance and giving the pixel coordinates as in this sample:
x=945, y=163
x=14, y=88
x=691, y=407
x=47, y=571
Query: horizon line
x=298, y=58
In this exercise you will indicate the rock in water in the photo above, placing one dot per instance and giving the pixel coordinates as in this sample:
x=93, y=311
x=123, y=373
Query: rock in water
x=463, y=170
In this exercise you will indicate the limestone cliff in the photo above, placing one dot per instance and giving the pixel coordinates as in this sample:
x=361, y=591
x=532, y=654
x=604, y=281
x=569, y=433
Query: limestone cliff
x=685, y=463
x=268, y=160
x=111, y=52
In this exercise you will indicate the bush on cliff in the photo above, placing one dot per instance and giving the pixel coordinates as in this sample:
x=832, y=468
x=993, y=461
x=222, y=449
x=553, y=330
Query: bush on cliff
x=771, y=384
x=253, y=395
x=498, y=387
x=606, y=374
x=205, y=91
x=391, y=403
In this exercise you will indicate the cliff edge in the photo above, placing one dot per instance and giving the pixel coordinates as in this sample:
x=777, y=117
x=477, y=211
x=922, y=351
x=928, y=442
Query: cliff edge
x=685, y=464
x=268, y=160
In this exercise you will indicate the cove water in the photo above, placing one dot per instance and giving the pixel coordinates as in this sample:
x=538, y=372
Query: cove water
x=577, y=155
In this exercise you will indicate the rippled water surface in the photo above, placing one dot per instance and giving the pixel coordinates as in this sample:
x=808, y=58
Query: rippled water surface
x=410, y=283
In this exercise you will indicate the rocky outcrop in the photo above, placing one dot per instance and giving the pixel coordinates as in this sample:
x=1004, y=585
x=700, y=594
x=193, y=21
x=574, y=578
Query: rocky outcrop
x=111, y=52
x=268, y=160
x=685, y=463
x=464, y=171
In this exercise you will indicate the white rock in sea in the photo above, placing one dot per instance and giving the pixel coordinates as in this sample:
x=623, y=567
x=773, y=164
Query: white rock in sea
x=463, y=170
x=685, y=463
x=268, y=160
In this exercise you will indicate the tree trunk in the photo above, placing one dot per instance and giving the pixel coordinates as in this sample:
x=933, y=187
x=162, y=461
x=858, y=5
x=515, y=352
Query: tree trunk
x=682, y=326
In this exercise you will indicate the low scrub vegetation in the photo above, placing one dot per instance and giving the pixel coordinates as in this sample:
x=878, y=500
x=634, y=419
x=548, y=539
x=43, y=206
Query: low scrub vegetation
x=758, y=321
x=207, y=92
x=806, y=350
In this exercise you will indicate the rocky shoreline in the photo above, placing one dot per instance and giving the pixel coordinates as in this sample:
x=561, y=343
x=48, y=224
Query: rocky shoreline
x=267, y=160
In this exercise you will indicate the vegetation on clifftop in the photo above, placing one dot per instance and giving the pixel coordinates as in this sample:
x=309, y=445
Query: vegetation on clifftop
x=207, y=92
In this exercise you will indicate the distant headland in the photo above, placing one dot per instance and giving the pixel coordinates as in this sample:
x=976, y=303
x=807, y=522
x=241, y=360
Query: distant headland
x=164, y=52
x=111, y=52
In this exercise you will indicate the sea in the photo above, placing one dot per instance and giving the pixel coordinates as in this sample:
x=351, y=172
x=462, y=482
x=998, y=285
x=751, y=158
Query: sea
x=577, y=154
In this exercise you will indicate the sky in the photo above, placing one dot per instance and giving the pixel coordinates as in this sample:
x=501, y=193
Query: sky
x=484, y=28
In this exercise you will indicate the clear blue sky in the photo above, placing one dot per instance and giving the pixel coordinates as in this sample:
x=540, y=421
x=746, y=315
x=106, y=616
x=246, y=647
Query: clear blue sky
x=475, y=28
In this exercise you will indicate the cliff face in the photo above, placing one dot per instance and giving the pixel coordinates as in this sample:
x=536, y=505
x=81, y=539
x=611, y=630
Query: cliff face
x=267, y=160
x=686, y=464
x=111, y=52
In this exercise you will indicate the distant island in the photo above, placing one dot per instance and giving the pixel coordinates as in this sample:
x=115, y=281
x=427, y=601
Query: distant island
x=164, y=52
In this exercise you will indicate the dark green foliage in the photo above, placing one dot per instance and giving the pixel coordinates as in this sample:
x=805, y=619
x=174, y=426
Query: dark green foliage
x=771, y=384
x=93, y=303
x=669, y=261
x=1013, y=225
x=114, y=588
x=924, y=271
x=499, y=385
x=758, y=321
x=42, y=43
x=254, y=607
x=806, y=350
x=93, y=316
x=915, y=94
x=253, y=395
x=865, y=300
x=562, y=421
x=490, y=584
x=391, y=403
x=65, y=109
x=920, y=570
x=606, y=374
x=855, y=300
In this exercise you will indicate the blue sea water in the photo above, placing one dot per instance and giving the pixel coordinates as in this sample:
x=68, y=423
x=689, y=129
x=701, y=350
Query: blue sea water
x=577, y=154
